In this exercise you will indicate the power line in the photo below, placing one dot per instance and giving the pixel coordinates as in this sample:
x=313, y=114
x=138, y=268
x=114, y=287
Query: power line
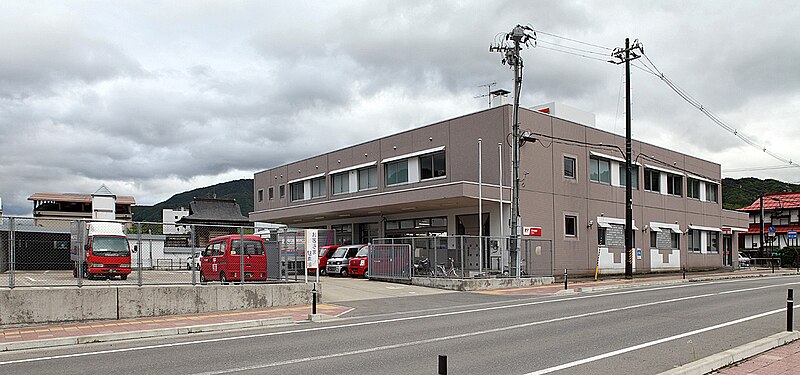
x=752, y=169
x=572, y=53
x=572, y=48
x=573, y=40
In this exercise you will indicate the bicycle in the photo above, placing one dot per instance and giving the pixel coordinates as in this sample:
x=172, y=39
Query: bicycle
x=423, y=268
x=447, y=272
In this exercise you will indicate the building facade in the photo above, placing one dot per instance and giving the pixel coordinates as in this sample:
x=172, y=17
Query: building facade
x=53, y=208
x=426, y=181
x=781, y=222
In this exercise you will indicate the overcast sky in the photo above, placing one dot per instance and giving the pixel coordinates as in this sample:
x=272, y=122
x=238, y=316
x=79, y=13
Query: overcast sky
x=155, y=98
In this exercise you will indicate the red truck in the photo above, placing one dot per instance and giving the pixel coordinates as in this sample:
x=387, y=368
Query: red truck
x=105, y=251
x=325, y=252
x=223, y=257
x=359, y=263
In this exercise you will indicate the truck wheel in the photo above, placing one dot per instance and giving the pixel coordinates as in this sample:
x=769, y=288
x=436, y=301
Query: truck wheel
x=85, y=274
x=222, y=278
x=74, y=271
x=123, y=277
x=202, y=277
x=344, y=272
x=366, y=273
x=323, y=272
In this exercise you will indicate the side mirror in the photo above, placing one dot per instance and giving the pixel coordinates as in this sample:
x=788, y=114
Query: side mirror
x=86, y=247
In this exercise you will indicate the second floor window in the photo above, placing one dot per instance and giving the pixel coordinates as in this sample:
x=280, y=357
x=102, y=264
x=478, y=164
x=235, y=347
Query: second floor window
x=367, y=178
x=711, y=192
x=634, y=176
x=396, y=172
x=692, y=188
x=318, y=187
x=674, y=185
x=341, y=183
x=297, y=191
x=569, y=167
x=432, y=165
x=652, y=180
x=600, y=170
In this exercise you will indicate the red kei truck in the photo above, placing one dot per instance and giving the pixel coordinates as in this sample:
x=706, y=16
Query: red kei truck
x=105, y=251
x=359, y=263
x=325, y=253
x=223, y=257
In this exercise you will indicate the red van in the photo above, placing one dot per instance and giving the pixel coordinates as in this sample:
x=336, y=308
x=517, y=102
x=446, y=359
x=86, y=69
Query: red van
x=359, y=263
x=223, y=257
x=325, y=253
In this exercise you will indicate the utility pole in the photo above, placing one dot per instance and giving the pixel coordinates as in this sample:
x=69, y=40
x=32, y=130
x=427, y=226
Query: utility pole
x=625, y=56
x=518, y=37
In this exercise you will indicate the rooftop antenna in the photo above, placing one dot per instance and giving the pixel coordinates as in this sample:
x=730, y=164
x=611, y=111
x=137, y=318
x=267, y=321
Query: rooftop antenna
x=488, y=92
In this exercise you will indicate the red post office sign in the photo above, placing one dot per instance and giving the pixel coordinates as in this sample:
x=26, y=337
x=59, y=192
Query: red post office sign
x=532, y=231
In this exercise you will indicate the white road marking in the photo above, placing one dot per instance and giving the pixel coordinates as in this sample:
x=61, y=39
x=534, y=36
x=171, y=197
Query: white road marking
x=409, y=318
x=32, y=279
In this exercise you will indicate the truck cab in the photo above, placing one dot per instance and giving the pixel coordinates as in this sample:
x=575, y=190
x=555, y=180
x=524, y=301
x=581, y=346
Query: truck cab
x=105, y=251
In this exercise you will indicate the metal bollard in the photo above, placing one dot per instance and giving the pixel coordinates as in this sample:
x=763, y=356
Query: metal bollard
x=314, y=299
x=684, y=273
x=790, y=311
x=772, y=262
x=442, y=365
x=565, y=279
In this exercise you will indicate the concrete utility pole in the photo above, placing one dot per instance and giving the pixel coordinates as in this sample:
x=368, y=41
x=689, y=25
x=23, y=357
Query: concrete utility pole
x=625, y=56
x=518, y=37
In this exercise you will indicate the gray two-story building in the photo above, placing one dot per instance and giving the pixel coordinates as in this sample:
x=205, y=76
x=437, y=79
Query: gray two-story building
x=425, y=181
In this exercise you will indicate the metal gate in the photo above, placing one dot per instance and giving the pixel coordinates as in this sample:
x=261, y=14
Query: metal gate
x=536, y=257
x=390, y=262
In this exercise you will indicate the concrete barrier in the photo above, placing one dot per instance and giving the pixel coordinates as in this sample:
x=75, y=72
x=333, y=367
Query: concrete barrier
x=481, y=284
x=26, y=306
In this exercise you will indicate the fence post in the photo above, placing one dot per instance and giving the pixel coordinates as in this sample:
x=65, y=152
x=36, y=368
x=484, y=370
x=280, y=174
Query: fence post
x=11, y=254
x=194, y=261
x=294, y=261
x=80, y=253
x=241, y=254
x=461, y=252
x=139, y=258
x=565, y=279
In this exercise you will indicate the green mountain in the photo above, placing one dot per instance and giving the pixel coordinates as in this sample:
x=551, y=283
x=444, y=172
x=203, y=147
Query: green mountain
x=741, y=192
x=240, y=190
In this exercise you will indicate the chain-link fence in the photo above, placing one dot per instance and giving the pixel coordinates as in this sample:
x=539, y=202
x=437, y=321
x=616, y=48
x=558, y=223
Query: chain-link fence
x=38, y=252
x=390, y=262
x=474, y=256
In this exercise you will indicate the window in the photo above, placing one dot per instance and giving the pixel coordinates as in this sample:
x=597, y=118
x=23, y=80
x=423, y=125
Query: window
x=297, y=191
x=432, y=165
x=270, y=193
x=652, y=180
x=601, y=236
x=396, y=172
x=692, y=188
x=367, y=178
x=600, y=170
x=693, y=238
x=634, y=176
x=569, y=167
x=260, y=196
x=250, y=247
x=340, y=183
x=282, y=190
x=675, y=240
x=653, y=239
x=712, y=242
x=711, y=192
x=570, y=225
x=318, y=187
x=674, y=185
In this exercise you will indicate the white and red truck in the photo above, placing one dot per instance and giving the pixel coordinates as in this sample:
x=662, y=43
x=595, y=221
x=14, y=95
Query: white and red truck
x=99, y=249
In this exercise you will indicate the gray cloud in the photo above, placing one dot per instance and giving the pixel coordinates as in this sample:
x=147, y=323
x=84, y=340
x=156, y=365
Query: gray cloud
x=159, y=98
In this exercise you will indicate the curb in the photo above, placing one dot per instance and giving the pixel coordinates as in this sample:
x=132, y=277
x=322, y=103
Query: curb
x=105, y=337
x=678, y=281
x=731, y=356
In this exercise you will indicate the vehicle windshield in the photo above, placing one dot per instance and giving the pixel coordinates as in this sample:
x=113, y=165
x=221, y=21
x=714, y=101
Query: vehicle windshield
x=363, y=252
x=110, y=246
x=339, y=253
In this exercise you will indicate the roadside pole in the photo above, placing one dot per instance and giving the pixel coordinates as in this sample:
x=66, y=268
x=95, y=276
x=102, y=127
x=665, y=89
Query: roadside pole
x=191, y=239
x=11, y=255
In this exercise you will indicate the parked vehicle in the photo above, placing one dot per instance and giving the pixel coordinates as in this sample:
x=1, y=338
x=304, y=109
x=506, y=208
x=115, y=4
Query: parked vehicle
x=224, y=256
x=325, y=252
x=193, y=261
x=360, y=262
x=339, y=262
x=106, y=252
x=744, y=261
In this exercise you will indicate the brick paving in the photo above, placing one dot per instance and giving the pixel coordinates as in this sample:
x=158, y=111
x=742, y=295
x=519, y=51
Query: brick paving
x=783, y=360
x=37, y=332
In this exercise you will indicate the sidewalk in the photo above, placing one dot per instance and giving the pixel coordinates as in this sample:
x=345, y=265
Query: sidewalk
x=617, y=282
x=783, y=360
x=71, y=333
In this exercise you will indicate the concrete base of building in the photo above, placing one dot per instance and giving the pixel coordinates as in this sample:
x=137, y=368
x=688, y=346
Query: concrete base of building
x=481, y=284
x=26, y=306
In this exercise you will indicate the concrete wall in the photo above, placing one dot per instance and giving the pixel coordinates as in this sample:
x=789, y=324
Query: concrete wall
x=78, y=304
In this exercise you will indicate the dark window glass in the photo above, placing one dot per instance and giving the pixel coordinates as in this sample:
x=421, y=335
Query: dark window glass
x=569, y=167
x=601, y=236
x=298, y=192
x=652, y=180
x=674, y=185
x=396, y=172
x=432, y=165
x=367, y=178
x=600, y=170
x=570, y=226
x=634, y=176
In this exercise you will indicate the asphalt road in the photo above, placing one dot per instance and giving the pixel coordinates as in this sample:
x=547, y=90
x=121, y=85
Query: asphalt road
x=628, y=331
